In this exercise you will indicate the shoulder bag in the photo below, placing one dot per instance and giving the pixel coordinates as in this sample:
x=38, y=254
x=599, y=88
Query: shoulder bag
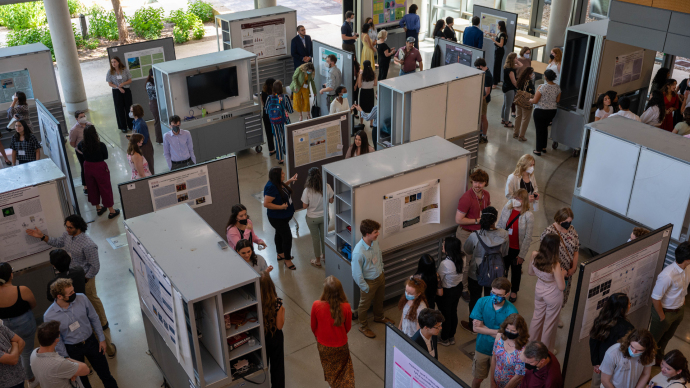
x=566, y=249
x=522, y=97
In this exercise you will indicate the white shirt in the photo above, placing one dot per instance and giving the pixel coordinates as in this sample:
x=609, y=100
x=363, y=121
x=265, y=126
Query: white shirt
x=337, y=107
x=651, y=116
x=602, y=114
x=627, y=114
x=432, y=352
x=315, y=201
x=671, y=287
x=662, y=381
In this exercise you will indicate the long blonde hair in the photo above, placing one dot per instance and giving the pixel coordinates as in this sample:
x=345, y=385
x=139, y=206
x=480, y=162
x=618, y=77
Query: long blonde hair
x=268, y=302
x=523, y=196
x=523, y=164
x=334, y=295
x=557, y=54
x=510, y=61
x=383, y=34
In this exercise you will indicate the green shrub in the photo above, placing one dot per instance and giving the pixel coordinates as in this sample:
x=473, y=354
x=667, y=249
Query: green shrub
x=41, y=35
x=102, y=24
x=75, y=7
x=201, y=9
x=147, y=22
x=91, y=44
x=23, y=15
x=198, y=29
x=180, y=35
x=187, y=25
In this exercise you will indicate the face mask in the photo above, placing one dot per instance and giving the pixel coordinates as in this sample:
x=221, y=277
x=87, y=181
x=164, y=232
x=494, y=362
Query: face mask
x=242, y=222
x=176, y=128
x=344, y=95
x=552, y=56
x=309, y=72
x=630, y=352
x=497, y=299
x=131, y=115
x=565, y=224
x=516, y=203
x=530, y=366
x=527, y=56
x=72, y=298
x=409, y=297
x=530, y=170
x=82, y=120
x=511, y=336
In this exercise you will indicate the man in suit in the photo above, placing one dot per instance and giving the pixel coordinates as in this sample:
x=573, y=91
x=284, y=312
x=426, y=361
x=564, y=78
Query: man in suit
x=473, y=35
x=430, y=322
x=302, y=50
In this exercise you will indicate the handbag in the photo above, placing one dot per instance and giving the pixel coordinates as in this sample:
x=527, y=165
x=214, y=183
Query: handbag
x=566, y=251
x=315, y=109
x=522, y=98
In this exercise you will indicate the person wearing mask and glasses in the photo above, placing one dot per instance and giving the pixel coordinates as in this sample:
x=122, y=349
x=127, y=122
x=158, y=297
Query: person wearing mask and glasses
x=542, y=369
x=302, y=79
x=518, y=220
x=178, y=148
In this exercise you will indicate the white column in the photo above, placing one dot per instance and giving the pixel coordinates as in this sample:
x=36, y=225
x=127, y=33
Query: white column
x=66, y=55
x=558, y=22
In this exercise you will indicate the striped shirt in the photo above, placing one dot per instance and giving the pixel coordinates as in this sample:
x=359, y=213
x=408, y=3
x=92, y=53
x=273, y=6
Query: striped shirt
x=373, y=115
x=83, y=250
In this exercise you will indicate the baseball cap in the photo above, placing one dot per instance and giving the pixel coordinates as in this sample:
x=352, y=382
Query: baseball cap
x=410, y=39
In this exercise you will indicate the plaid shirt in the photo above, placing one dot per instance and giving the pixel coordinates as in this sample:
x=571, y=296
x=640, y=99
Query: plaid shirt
x=83, y=250
x=29, y=145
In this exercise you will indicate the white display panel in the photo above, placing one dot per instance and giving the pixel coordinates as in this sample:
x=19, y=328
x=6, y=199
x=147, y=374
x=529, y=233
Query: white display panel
x=463, y=118
x=428, y=112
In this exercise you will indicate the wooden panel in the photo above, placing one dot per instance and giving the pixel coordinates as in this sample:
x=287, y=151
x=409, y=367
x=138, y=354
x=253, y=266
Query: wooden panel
x=673, y=5
x=640, y=2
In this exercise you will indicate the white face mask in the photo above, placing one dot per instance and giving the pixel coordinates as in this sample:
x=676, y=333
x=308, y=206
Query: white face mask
x=82, y=120
x=530, y=170
x=131, y=115
x=516, y=203
x=527, y=55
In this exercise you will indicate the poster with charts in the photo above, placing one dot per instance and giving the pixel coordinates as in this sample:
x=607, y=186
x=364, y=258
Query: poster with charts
x=266, y=39
x=407, y=374
x=190, y=186
x=15, y=81
x=628, y=68
x=489, y=23
x=323, y=53
x=140, y=62
x=411, y=207
x=388, y=11
x=318, y=142
x=21, y=210
x=632, y=275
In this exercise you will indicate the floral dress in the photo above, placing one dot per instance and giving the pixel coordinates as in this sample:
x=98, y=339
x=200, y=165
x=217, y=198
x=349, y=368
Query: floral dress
x=507, y=364
x=571, y=242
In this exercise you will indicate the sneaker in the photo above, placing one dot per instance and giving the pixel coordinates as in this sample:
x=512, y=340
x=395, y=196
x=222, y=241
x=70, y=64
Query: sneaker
x=452, y=340
x=111, y=356
x=444, y=343
x=466, y=296
x=367, y=332
x=467, y=326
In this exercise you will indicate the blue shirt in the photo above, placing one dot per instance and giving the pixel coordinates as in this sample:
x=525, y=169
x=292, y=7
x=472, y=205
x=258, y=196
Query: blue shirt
x=484, y=311
x=272, y=191
x=373, y=116
x=139, y=126
x=473, y=36
x=367, y=263
x=411, y=21
x=82, y=311
x=178, y=148
x=346, y=29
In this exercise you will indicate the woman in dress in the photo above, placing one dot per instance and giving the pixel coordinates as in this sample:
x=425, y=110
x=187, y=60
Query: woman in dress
x=25, y=147
x=545, y=103
x=139, y=126
x=509, y=88
x=426, y=270
x=518, y=220
x=674, y=371
x=525, y=83
x=274, y=319
x=340, y=103
x=604, y=108
x=450, y=276
x=629, y=362
x=506, y=366
x=500, y=41
x=368, y=45
x=76, y=135
x=609, y=327
x=548, y=294
x=119, y=79
x=373, y=35
x=283, y=106
x=555, y=59
x=257, y=262
x=331, y=320
x=367, y=84
x=266, y=91
x=671, y=102
x=97, y=173
x=411, y=304
x=137, y=161
x=569, y=250
x=19, y=109
x=655, y=111
x=438, y=29
x=384, y=54
x=360, y=146
x=240, y=227
x=523, y=178
x=278, y=201
x=302, y=79
x=153, y=106
x=313, y=201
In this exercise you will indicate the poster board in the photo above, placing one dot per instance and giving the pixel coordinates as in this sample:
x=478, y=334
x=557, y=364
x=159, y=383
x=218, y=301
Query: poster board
x=409, y=366
x=222, y=183
x=631, y=267
x=346, y=69
x=388, y=12
x=488, y=22
x=300, y=138
x=266, y=38
x=15, y=81
x=267, y=32
x=139, y=58
x=454, y=52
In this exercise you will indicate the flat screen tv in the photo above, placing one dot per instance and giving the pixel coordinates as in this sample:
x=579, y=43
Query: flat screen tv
x=460, y=55
x=212, y=86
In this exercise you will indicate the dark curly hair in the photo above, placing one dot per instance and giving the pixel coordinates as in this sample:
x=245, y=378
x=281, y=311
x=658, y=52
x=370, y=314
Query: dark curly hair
x=77, y=222
x=520, y=325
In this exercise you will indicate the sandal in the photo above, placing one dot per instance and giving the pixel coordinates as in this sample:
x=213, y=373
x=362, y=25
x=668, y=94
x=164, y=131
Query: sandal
x=522, y=138
x=536, y=153
x=101, y=210
x=113, y=215
x=291, y=267
x=509, y=125
x=315, y=263
x=282, y=258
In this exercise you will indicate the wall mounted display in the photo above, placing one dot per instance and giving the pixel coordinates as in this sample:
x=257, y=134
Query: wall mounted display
x=15, y=81
x=628, y=68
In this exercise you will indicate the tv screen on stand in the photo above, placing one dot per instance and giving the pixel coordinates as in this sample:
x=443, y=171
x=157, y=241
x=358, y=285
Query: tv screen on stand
x=460, y=55
x=212, y=86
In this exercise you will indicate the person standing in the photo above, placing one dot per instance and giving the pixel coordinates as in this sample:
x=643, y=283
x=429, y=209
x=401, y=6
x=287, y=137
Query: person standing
x=480, y=64
x=76, y=135
x=266, y=91
x=360, y=146
x=668, y=298
x=25, y=147
x=450, y=273
x=240, y=227
x=655, y=112
x=84, y=254
x=507, y=370
x=153, y=106
x=554, y=65
x=410, y=23
x=426, y=270
x=629, y=362
x=662, y=75
x=301, y=48
x=331, y=320
x=278, y=106
x=119, y=79
x=523, y=178
x=449, y=32
x=509, y=88
x=348, y=34
x=274, y=320
x=246, y=251
x=53, y=370
x=367, y=84
x=11, y=346
x=499, y=50
x=97, y=173
x=542, y=369
x=545, y=103
x=80, y=332
x=139, y=126
x=61, y=260
x=278, y=202
x=333, y=80
x=683, y=127
x=672, y=103
x=548, y=294
x=384, y=54
x=313, y=198
x=408, y=57
x=137, y=162
x=518, y=220
x=609, y=327
x=340, y=103
x=368, y=45
x=178, y=148
x=302, y=78
x=524, y=60
x=19, y=108
x=430, y=322
x=367, y=272
x=411, y=304
x=525, y=83
x=674, y=371
x=473, y=36
x=16, y=311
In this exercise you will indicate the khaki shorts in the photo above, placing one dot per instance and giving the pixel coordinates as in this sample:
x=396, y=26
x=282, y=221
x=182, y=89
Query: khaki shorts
x=485, y=106
x=481, y=365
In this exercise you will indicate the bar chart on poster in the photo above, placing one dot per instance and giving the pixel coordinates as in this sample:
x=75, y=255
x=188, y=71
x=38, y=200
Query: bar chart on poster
x=266, y=38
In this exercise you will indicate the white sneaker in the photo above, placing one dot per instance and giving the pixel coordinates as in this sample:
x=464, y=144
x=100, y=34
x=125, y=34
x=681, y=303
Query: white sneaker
x=33, y=384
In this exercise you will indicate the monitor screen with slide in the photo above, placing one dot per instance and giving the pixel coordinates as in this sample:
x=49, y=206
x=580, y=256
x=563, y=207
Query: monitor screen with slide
x=459, y=55
x=212, y=86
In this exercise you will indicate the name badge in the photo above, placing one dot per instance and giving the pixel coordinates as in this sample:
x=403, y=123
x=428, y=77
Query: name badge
x=510, y=232
x=306, y=86
x=74, y=326
x=21, y=152
x=119, y=77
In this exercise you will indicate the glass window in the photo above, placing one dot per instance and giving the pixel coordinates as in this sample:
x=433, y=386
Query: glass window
x=597, y=10
x=521, y=7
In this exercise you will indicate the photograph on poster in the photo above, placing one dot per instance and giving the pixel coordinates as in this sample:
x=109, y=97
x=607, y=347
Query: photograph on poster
x=411, y=207
x=388, y=11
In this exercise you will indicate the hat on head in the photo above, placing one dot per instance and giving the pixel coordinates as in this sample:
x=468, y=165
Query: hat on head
x=410, y=39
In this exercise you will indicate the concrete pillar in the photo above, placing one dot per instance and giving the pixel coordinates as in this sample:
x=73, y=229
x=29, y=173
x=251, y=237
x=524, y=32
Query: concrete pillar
x=264, y=3
x=66, y=55
x=558, y=22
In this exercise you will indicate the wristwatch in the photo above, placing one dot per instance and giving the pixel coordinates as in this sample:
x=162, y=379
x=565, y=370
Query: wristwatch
x=42, y=237
x=476, y=221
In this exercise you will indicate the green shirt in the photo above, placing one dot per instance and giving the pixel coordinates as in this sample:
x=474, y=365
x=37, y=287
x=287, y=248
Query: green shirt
x=484, y=311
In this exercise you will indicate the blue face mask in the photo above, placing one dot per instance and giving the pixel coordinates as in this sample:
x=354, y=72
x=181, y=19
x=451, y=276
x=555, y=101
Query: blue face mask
x=309, y=72
x=409, y=297
x=344, y=95
x=497, y=299
x=630, y=352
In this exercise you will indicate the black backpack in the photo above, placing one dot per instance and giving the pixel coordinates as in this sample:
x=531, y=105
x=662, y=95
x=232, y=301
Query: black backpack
x=491, y=266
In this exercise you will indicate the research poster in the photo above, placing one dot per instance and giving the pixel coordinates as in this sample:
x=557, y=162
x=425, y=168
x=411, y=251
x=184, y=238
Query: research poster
x=15, y=81
x=388, y=11
x=21, y=210
x=266, y=39
x=323, y=53
x=407, y=374
x=140, y=62
x=318, y=142
x=190, y=186
x=51, y=139
x=632, y=275
x=411, y=207
x=628, y=67
x=489, y=23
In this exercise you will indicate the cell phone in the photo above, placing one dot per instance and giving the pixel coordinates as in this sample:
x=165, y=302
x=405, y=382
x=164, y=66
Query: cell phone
x=223, y=245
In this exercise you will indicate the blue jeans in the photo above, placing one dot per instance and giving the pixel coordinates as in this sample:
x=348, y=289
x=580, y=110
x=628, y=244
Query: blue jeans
x=25, y=327
x=409, y=72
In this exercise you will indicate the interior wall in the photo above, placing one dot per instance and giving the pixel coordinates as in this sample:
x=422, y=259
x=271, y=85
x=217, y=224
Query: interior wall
x=41, y=71
x=607, y=66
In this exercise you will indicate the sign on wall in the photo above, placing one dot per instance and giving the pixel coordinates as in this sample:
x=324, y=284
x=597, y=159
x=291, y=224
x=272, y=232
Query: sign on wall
x=15, y=81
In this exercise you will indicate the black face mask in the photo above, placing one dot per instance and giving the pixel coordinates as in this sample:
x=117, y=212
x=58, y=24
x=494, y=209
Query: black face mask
x=242, y=222
x=72, y=298
x=552, y=56
x=565, y=225
x=510, y=335
x=530, y=366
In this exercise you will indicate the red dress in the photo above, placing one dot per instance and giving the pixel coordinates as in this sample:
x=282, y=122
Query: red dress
x=674, y=102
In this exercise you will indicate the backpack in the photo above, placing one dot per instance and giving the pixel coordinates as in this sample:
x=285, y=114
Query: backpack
x=275, y=110
x=491, y=266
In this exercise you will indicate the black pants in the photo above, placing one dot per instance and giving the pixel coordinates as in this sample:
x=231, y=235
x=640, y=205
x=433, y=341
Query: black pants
x=269, y=133
x=276, y=357
x=384, y=65
x=123, y=101
x=498, y=64
x=542, y=119
x=475, y=293
x=448, y=305
x=510, y=263
x=80, y=158
x=283, y=236
x=99, y=363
